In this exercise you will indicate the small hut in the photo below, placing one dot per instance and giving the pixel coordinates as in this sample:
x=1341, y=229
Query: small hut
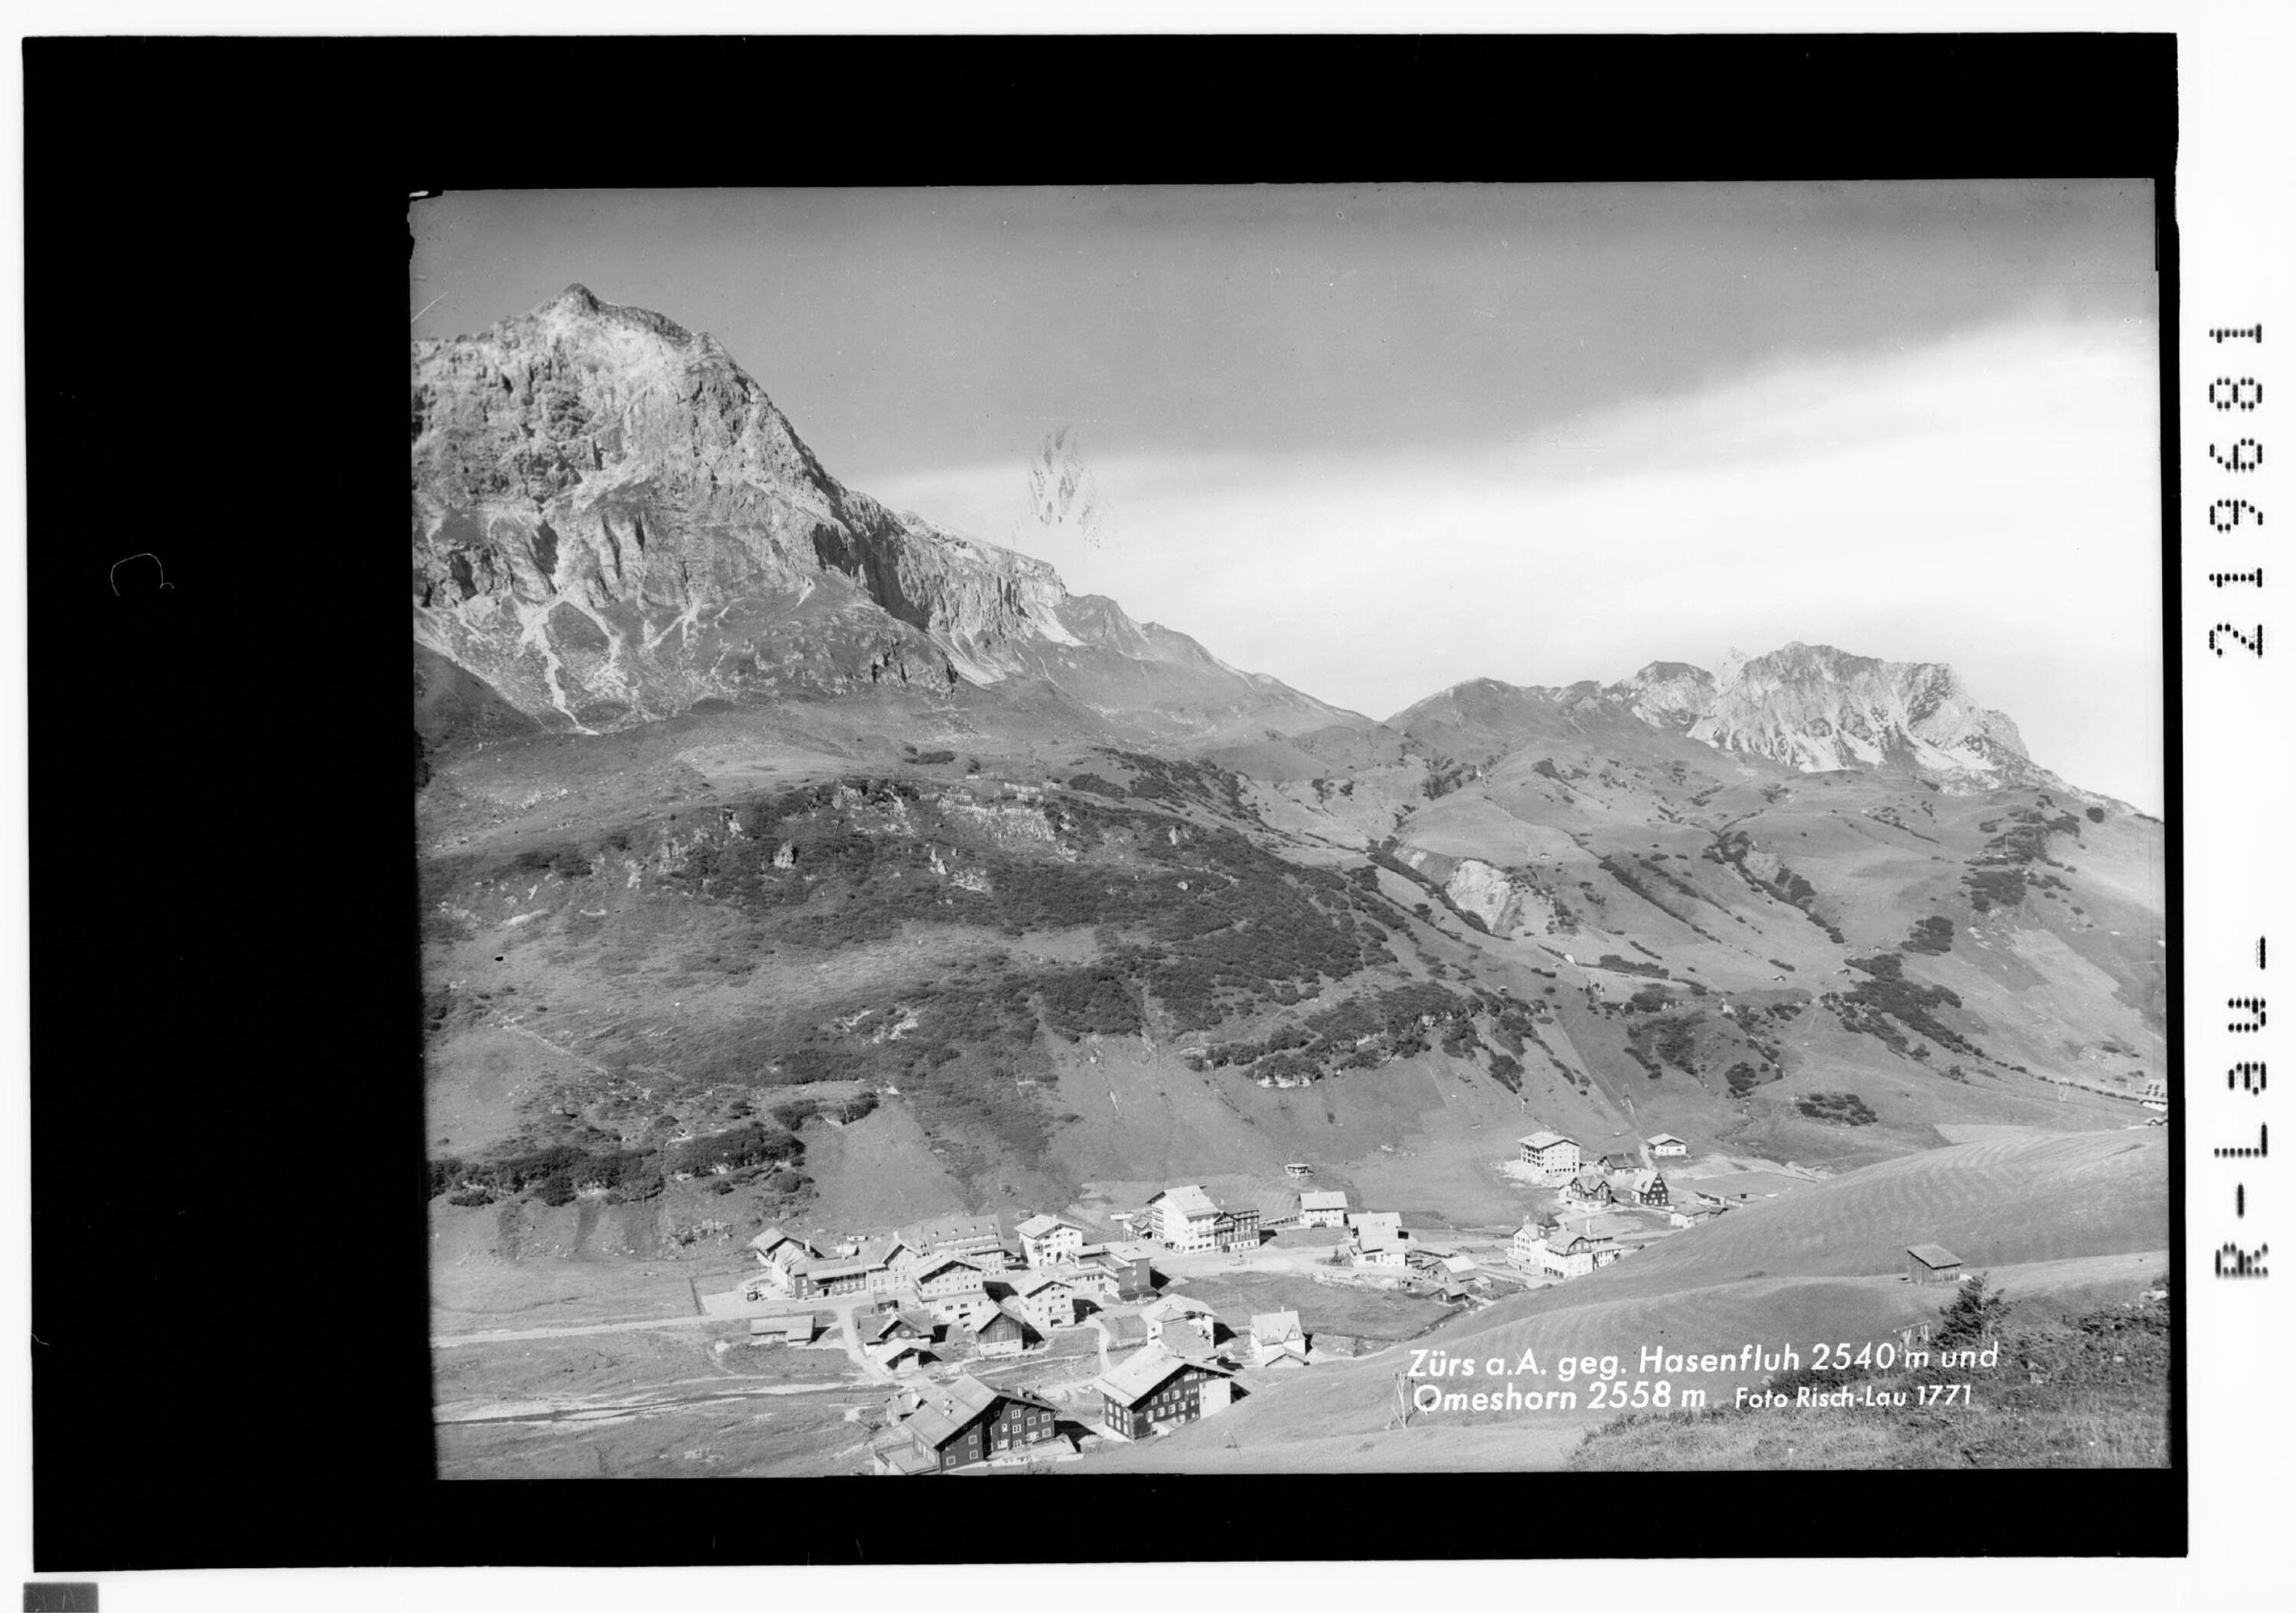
x=1932, y=1263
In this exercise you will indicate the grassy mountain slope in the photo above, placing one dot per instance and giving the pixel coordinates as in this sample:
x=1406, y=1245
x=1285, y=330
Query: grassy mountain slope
x=2079, y=1218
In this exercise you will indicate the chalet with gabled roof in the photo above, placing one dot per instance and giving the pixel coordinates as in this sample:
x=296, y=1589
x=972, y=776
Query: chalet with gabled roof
x=962, y=1423
x=1276, y=1334
x=1154, y=1389
x=1004, y=1332
x=1237, y=1227
x=1645, y=1186
x=936, y=1275
x=1932, y=1263
x=1590, y=1185
x=1044, y=1301
x=973, y=1237
x=1575, y=1252
x=1049, y=1241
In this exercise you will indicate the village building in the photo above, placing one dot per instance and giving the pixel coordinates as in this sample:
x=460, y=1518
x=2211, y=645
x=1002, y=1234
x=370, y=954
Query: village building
x=1575, y=1253
x=1237, y=1229
x=800, y=1329
x=1324, y=1209
x=1095, y=1282
x=1155, y=1389
x=1278, y=1206
x=1048, y=1241
x=974, y=1237
x=1297, y=1169
x=1124, y=1332
x=1527, y=1251
x=888, y=1260
x=892, y=1325
x=963, y=1423
x=774, y=1238
x=937, y=1275
x=1182, y=1219
x=902, y=1355
x=1128, y=1263
x=1694, y=1214
x=1645, y=1186
x=1002, y=1331
x=1176, y=1307
x=1377, y=1238
x=1276, y=1337
x=1551, y=1155
x=1189, y=1341
x=1590, y=1185
x=1375, y=1223
x=835, y=1278
x=1666, y=1145
x=778, y=1280
x=1044, y=1301
x=966, y=1308
x=1932, y=1263
x=1380, y=1247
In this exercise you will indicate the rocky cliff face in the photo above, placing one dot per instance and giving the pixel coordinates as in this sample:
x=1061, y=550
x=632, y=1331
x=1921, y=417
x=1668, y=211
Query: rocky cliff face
x=1811, y=707
x=612, y=521
x=1816, y=708
x=1667, y=694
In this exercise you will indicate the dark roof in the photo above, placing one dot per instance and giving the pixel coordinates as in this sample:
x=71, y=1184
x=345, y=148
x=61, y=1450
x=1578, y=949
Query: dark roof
x=1004, y=1315
x=948, y=1410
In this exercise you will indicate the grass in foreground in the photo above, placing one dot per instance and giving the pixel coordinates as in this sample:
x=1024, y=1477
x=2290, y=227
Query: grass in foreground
x=2087, y=1391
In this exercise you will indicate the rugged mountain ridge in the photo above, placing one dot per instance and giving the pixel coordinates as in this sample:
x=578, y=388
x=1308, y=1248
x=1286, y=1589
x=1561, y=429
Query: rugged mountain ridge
x=1810, y=707
x=1821, y=709
x=612, y=522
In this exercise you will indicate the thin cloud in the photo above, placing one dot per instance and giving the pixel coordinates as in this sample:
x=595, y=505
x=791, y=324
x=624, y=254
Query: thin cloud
x=1990, y=499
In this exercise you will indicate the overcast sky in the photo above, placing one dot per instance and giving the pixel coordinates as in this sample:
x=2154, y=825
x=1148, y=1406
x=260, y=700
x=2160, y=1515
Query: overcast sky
x=1377, y=440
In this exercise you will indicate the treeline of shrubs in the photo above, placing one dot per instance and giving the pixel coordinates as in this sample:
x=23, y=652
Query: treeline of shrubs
x=1395, y=1022
x=1730, y=851
x=1932, y=935
x=1886, y=994
x=1156, y=779
x=556, y=1173
x=1836, y=1109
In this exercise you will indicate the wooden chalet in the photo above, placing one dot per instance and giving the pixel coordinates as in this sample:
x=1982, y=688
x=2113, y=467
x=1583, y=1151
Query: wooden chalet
x=965, y=1423
x=1155, y=1389
x=1932, y=1263
x=1004, y=1332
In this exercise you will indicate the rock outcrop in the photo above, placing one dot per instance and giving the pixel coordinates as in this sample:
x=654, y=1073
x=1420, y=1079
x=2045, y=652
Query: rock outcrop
x=612, y=522
x=1817, y=709
x=1811, y=707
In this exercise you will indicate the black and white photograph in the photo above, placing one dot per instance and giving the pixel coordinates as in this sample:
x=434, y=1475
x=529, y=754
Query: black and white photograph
x=1476, y=814
x=1292, y=829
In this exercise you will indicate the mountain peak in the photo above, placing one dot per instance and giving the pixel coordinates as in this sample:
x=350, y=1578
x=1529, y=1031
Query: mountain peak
x=1820, y=709
x=613, y=521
